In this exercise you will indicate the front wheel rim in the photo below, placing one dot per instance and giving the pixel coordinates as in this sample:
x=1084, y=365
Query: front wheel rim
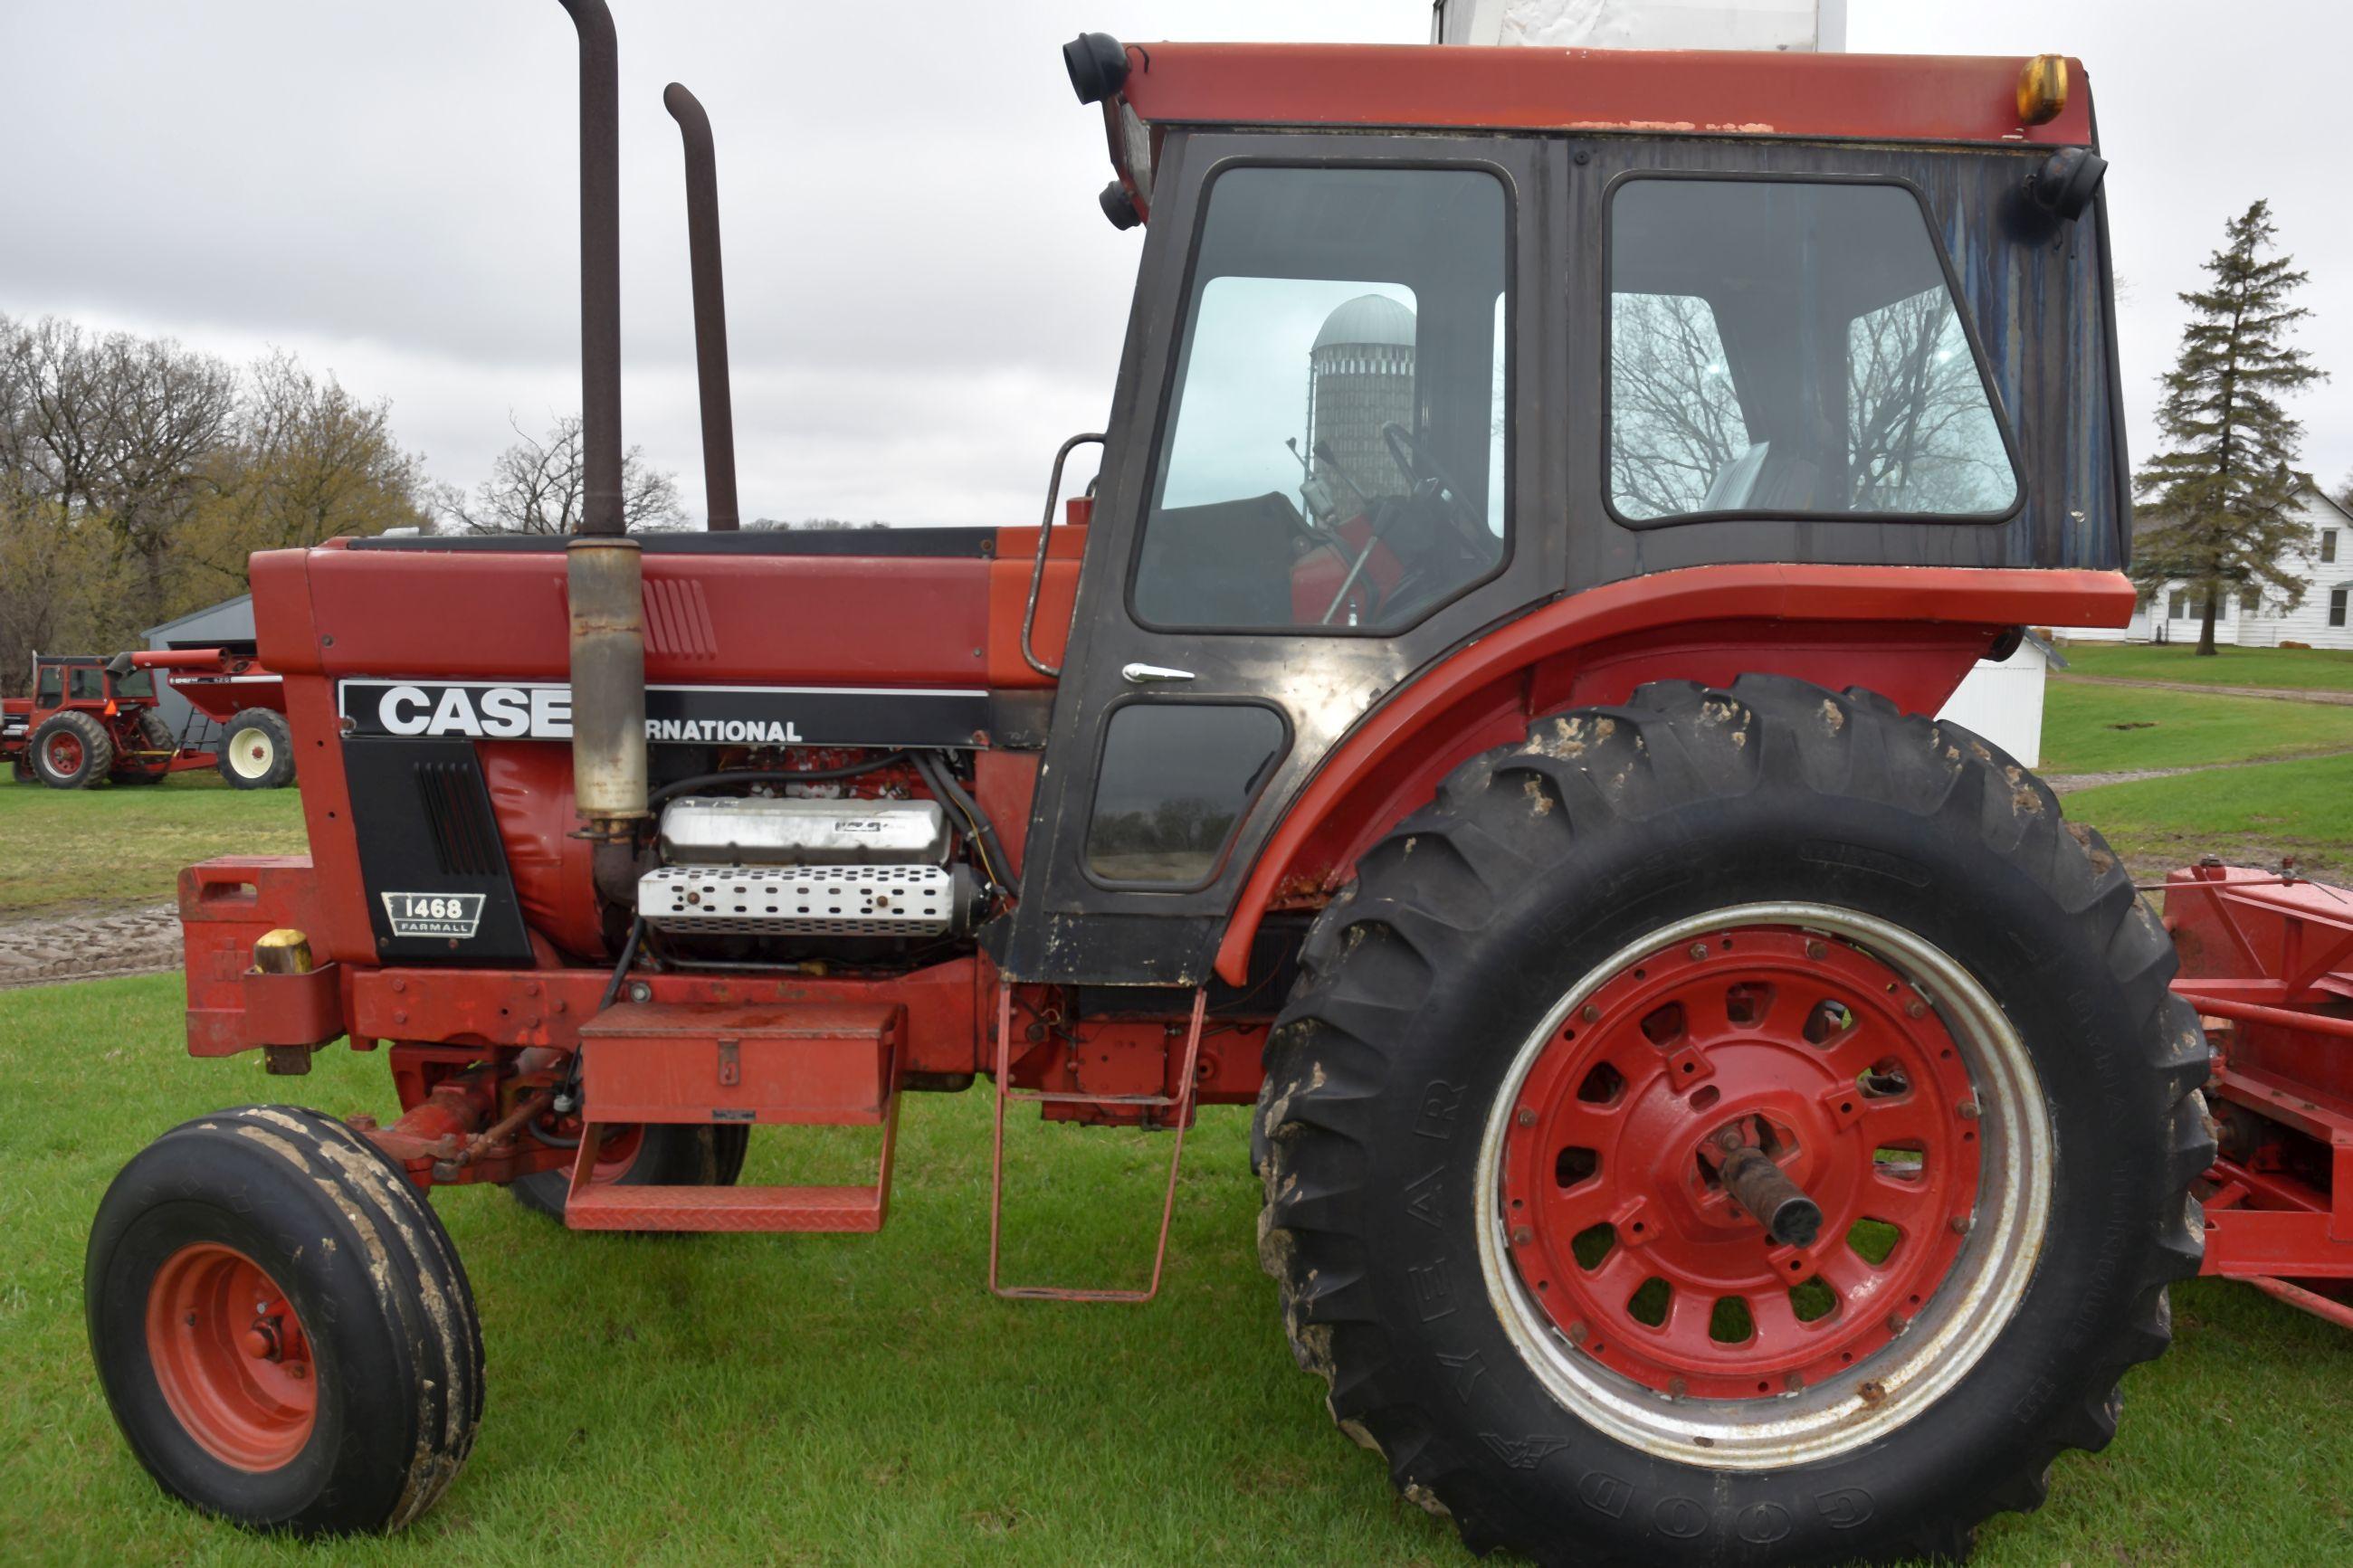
x=231, y=1357
x=1914, y=1105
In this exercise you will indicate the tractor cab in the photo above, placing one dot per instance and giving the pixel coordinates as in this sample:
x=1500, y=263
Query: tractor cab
x=84, y=681
x=1439, y=349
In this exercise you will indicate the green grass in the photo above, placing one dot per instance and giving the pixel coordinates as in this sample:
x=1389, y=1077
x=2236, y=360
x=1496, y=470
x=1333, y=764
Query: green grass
x=2246, y=815
x=110, y=848
x=2290, y=668
x=2090, y=728
x=864, y=1400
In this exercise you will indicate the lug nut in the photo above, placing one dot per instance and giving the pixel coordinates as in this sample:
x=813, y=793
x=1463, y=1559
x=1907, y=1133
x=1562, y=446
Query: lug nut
x=1676, y=1386
x=1968, y=1110
x=1961, y=1224
x=1898, y=1323
x=1590, y=1014
x=1522, y=1235
x=1816, y=951
x=1698, y=951
x=1578, y=1333
x=1915, y=1008
x=1527, y=1118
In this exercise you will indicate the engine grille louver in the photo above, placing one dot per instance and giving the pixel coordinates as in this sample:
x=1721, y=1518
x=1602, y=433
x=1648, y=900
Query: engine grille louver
x=465, y=840
x=677, y=619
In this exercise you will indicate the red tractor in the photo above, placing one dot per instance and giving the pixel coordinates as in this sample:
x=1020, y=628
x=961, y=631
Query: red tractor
x=90, y=720
x=1710, y=1110
x=86, y=723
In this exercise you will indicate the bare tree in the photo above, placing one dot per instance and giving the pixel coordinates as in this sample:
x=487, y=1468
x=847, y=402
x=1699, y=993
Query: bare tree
x=1921, y=437
x=539, y=486
x=1674, y=418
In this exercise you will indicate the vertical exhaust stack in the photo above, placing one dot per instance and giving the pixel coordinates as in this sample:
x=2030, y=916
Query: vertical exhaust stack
x=603, y=573
x=709, y=308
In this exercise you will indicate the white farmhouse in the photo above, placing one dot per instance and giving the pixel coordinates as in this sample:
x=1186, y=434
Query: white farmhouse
x=2259, y=619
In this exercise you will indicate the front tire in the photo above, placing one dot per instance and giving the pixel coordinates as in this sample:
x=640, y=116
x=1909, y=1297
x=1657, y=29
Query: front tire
x=1863, y=943
x=281, y=1325
x=256, y=751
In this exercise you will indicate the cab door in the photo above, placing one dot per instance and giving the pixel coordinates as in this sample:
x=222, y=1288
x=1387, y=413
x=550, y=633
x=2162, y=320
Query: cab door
x=1321, y=474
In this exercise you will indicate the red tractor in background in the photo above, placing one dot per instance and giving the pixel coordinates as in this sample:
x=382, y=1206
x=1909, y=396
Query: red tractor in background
x=92, y=720
x=1709, y=1110
x=86, y=724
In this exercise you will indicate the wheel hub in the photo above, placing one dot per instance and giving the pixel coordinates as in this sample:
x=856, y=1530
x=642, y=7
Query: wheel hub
x=230, y=1357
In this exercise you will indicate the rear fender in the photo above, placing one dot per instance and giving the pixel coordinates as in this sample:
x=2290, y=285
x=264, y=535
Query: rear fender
x=1908, y=633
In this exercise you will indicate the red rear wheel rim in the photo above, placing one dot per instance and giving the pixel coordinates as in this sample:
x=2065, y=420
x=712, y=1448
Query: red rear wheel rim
x=65, y=753
x=1816, y=1051
x=231, y=1357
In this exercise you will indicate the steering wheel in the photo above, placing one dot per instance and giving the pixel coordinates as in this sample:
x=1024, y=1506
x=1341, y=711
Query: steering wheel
x=1428, y=477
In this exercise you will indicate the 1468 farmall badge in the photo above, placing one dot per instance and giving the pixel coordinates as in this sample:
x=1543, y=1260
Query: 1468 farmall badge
x=434, y=914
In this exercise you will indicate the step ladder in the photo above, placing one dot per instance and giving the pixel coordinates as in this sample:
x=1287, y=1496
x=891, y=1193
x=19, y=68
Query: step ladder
x=779, y=1063
x=1180, y=1103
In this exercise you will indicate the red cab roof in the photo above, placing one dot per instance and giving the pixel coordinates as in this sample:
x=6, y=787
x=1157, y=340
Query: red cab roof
x=1907, y=98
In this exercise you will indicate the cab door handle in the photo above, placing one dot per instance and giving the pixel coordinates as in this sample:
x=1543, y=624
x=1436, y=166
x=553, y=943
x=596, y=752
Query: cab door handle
x=1152, y=674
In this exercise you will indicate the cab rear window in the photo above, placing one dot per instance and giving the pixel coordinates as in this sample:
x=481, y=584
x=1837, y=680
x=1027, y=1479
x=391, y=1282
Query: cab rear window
x=1793, y=348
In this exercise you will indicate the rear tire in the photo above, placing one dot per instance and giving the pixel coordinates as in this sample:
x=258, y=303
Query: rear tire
x=281, y=1325
x=256, y=750
x=662, y=1155
x=71, y=750
x=1535, y=911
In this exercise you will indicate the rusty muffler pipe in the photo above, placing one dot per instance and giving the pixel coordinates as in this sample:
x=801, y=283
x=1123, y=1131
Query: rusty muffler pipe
x=603, y=575
x=709, y=308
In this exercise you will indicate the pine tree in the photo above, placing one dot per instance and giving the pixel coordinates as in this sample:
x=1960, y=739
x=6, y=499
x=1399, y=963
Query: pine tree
x=2220, y=495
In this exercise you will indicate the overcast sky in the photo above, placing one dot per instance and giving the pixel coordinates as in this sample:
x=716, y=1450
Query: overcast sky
x=923, y=298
